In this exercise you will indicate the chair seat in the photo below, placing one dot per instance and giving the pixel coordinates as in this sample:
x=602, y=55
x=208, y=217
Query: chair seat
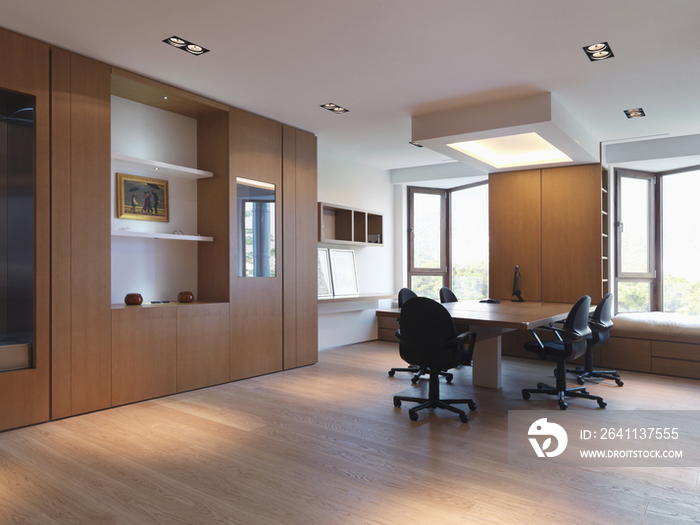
x=552, y=349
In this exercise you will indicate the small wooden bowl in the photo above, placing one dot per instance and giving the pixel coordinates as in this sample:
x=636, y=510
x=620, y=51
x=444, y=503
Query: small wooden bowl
x=133, y=299
x=185, y=297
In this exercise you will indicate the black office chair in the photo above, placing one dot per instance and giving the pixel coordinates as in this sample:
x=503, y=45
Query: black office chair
x=571, y=343
x=447, y=296
x=428, y=337
x=600, y=322
x=404, y=295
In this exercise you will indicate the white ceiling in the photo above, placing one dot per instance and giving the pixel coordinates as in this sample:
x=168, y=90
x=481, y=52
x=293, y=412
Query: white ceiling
x=389, y=60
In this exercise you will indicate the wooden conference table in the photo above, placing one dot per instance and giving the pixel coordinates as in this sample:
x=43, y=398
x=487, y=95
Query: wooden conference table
x=489, y=321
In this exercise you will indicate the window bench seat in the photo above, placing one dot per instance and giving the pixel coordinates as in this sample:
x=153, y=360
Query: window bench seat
x=655, y=342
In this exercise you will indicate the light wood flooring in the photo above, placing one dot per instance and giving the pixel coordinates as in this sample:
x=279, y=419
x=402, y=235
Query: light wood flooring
x=324, y=445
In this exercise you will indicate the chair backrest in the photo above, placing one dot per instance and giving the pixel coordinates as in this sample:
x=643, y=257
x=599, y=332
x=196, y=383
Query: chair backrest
x=447, y=296
x=426, y=329
x=600, y=321
x=576, y=325
x=404, y=295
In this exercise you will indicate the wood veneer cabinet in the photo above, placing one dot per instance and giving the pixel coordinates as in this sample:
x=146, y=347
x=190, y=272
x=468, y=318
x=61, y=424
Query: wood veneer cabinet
x=25, y=66
x=514, y=234
x=548, y=222
x=571, y=233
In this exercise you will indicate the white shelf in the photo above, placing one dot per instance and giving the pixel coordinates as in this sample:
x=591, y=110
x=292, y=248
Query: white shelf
x=153, y=167
x=156, y=235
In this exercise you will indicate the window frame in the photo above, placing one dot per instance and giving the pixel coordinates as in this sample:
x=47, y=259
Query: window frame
x=445, y=234
x=654, y=276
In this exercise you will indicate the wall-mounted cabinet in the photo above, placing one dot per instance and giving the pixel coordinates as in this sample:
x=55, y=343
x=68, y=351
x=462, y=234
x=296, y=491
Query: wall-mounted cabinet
x=548, y=222
x=342, y=225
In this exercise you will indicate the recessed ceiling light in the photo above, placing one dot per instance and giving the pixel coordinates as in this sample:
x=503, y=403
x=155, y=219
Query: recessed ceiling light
x=334, y=108
x=525, y=149
x=635, y=113
x=597, y=52
x=185, y=45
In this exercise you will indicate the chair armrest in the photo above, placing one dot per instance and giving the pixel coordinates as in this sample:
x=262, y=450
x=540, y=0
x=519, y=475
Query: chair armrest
x=471, y=341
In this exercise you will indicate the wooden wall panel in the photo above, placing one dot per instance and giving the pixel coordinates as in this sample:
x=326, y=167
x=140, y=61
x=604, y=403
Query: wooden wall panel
x=90, y=235
x=202, y=345
x=571, y=240
x=213, y=208
x=306, y=249
x=255, y=152
x=61, y=202
x=144, y=347
x=515, y=234
x=25, y=66
x=289, y=249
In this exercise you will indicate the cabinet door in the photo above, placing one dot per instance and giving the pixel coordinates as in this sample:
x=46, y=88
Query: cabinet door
x=25, y=393
x=514, y=234
x=202, y=345
x=571, y=224
x=256, y=302
x=300, y=254
x=143, y=353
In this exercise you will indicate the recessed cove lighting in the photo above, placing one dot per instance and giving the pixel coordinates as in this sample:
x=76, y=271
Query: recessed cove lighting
x=597, y=52
x=334, y=108
x=635, y=113
x=190, y=47
x=526, y=149
x=416, y=144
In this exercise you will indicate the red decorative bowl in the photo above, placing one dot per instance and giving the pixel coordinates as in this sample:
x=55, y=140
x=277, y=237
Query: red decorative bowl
x=185, y=297
x=133, y=299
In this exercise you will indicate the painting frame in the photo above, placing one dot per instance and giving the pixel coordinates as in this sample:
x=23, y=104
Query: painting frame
x=343, y=273
x=143, y=193
x=325, y=283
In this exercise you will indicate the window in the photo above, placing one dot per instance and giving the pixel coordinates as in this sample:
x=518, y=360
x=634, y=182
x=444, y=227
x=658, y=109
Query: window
x=448, y=242
x=658, y=251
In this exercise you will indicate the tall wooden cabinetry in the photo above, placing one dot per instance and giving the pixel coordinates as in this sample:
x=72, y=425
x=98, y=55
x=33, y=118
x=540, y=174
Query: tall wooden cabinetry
x=81, y=314
x=88, y=354
x=549, y=223
x=25, y=70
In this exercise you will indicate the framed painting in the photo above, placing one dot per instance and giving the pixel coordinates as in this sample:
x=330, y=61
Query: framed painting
x=325, y=287
x=343, y=273
x=142, y=198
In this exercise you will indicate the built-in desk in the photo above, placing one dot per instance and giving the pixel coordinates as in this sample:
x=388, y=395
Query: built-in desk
x=490, y=321
x=349, y=320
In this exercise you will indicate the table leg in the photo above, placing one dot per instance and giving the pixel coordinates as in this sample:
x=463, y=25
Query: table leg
x=486, y=363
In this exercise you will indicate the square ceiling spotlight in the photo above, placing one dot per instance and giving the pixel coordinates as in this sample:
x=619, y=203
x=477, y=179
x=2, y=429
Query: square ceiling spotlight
x=334, y=108
x=185, y=45
x=598, y=52
x=635, y=113
x=526, y=149
x=528, y=132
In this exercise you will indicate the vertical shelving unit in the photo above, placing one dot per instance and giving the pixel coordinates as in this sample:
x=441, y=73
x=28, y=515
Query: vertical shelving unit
x=605, y=230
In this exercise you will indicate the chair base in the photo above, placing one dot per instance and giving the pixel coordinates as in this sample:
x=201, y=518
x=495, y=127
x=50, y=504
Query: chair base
x=434, y=401
x=543, y=388
x=417, y=372
x=583, y=373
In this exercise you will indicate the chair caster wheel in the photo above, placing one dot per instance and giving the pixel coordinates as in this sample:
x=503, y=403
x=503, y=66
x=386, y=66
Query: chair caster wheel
x=555, y=372
x=391, y=373
x=464, y=418
x=580, y=380
x=397, y=403
x=415, y=379
x=618, y=382
x=602, y=404
x=449, y=377
x=584, y=391
x=413, y=415
x=472, y=405
x=563, y=405
x=526, y=394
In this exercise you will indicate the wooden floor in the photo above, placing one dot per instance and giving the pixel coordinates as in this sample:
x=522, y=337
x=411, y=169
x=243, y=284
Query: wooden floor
x=325, y=445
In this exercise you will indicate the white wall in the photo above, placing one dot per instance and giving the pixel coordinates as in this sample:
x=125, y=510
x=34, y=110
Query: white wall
x=351, y=184
x=156, y=268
